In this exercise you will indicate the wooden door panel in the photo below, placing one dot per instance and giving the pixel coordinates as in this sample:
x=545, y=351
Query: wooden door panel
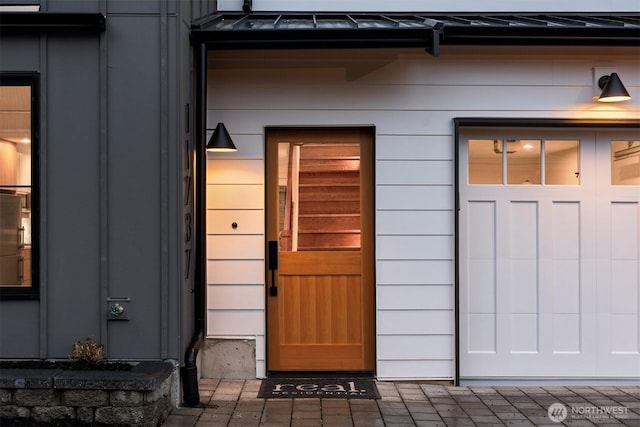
x=321, y=357
x=319, y=263
x=320, y=320
x=320, y=309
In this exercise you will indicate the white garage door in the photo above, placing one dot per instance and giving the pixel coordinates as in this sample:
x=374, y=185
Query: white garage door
x=549, y=254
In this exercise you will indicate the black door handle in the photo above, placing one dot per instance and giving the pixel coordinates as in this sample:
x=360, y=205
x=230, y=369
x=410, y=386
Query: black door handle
x=273, y=266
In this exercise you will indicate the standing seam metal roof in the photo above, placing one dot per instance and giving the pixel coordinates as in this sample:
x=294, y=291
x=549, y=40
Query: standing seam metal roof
x=429, y=30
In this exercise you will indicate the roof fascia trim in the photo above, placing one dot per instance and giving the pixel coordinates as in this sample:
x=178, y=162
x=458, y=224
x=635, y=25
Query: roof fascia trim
x=50, y=21
x=544, y=122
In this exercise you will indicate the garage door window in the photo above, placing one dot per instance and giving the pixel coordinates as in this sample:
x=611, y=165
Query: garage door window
x=625, y=162
x=521, y=162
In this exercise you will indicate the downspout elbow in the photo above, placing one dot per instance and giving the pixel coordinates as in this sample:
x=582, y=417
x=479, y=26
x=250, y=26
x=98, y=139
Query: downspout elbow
x=189, y=372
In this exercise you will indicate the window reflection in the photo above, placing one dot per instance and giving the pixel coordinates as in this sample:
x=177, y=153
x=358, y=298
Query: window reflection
x=520, y=161
x=523, y=162
x=625, y=162
x=319, y=196
x=561, y=162
x=15, y=186
x=485, y=161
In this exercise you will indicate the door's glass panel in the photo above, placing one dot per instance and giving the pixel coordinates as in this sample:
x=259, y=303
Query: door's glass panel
x=15, y=186
x=319, y=196
x=625, y=162
x=523, y=161
x=561, y=160
x=485, y=161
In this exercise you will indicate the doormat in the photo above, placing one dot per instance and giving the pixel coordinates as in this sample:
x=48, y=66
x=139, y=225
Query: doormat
x=323, y=388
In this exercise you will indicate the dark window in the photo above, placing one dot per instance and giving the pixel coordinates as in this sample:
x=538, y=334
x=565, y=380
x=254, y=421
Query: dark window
x=19, y=169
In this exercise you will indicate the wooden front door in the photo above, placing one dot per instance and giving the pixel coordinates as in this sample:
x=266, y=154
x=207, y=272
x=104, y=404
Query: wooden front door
x=320, y=249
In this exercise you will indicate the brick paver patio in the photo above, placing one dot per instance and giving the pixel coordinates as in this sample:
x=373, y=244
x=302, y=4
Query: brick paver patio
x=234, y=403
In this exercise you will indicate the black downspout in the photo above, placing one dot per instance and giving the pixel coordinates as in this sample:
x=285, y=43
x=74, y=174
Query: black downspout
x=456, y=262
x=189, y=373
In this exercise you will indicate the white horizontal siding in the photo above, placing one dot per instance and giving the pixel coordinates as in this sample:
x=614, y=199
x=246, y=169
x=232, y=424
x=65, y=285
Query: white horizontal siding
x=391, y=122
x=418, y=347
x=408, y=98
x=235, y=247
x=228, y=196
x=403, y=297
x=232, y=297
x=235, y=266
x=415, y=322
x=235, y=272
x=414, y=172
x=232, y=171
x=414, y=247
x=415, y=369
x=414, y=147
x=235, y=323
x=416, y=197
x=247, y=221
x=411, y=100
x=418, y=272
x=414, y=222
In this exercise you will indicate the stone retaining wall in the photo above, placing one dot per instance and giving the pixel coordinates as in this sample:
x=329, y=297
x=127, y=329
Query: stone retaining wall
x=139, y=397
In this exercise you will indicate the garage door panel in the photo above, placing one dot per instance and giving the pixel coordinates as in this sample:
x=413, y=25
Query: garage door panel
x=482, y=229
x=482, y=337
x=566, y=286
x=624, y=333
x=524, y=333
x=524, y=277
x=624, y=230
x=566, y=333
x=482, y=289
x=619, y=347
x=524, y=230
x=565, y=217
x=624, y=287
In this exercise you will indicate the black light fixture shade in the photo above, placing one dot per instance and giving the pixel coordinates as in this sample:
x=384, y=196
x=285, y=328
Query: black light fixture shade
x=220, y=140
x=612, y=89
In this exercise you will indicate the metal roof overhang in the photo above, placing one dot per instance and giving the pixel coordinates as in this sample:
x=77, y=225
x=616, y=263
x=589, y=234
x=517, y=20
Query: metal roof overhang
x=430, y=31
x=49, y=21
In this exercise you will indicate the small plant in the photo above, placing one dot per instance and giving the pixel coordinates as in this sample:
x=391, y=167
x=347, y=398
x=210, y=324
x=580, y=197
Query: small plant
x=88, y=351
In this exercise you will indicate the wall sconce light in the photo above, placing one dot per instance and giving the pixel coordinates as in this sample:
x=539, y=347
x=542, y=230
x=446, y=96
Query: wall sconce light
x=612, y=89
x=221, y=141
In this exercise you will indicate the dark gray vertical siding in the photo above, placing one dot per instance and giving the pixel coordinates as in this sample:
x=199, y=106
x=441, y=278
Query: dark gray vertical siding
x=182, y=298
x=84, y=6
x=71, y=184
x=175, y=136
x=19, y=320
x=20, y=53
x=113, y=142
x=19, y=329
x=134, y=182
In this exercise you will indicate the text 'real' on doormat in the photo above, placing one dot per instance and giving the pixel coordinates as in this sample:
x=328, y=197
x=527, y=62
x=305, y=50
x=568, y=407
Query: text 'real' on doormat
x=324, y=388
